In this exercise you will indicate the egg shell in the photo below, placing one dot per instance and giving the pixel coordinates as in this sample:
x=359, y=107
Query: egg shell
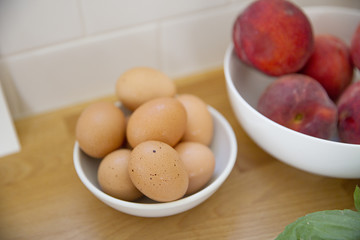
x=141, y=84
x=161, y=119
x=113, y=176
x=199, y=162
x=200, y=126
x=100, y=129
x=156, y=170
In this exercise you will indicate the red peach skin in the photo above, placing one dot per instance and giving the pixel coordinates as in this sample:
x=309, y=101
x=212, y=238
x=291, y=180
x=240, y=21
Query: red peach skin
x=349, y=114
x=330, y=64
x=274, y=36
x=355, y=47
x=300, y=103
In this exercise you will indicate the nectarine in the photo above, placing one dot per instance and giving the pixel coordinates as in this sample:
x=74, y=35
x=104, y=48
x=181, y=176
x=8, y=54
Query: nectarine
x=274, y=36
x=330, y=64
x=355, y=47
x=349, y=114
x=300, y=103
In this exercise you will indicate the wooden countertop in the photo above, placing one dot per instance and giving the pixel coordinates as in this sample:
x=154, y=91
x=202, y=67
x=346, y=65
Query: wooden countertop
x=43, y=198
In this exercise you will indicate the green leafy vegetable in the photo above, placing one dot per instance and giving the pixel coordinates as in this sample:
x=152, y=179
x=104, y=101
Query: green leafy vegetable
x=328, y=224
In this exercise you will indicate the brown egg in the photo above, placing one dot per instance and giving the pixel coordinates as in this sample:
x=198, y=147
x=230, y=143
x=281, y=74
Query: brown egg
x=200, y=125
x=199, y=162
x=161, y=119
x=156, y=170
x=113, y=176
x=100, y=129
x=141, y=84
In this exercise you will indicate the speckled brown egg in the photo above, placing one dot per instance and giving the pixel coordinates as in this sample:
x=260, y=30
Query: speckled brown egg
x=161, y=119
x=100, y=129
x=199, y=162
x=141, y=84
x=156, y=170
x=113, y=176
x=199, y=126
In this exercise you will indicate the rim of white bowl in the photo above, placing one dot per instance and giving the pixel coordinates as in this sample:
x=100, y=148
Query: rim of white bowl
x=322, y=8
x=207, y=191
x=232, y=88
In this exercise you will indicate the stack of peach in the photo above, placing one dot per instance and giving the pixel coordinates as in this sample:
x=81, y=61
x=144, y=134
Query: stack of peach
x=315, y=91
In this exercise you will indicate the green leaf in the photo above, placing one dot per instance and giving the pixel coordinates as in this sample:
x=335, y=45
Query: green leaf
x=329, y=225
x=357, y=198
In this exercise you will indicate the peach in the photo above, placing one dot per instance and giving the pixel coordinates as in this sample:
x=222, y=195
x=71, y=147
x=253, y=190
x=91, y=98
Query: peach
x=349, y=114
x=355, y=47
x=300, y=103
x=273, y=36
x=330, y=64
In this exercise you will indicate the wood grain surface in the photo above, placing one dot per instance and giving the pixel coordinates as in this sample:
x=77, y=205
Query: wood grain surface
x=42, y=198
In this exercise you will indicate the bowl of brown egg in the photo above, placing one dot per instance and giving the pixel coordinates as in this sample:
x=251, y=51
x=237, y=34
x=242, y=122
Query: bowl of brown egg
x=154, y=152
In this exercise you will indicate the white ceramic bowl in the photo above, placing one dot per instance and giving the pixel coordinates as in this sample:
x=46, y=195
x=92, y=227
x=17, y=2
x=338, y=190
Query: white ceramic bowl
x=224, y=147
x=245, y=85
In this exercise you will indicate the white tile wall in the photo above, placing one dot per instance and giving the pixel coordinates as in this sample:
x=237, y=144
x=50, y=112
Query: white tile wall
x=111, y=14
x=56, y=53
x=197, y=42
x=61, y=75
x=29, y=24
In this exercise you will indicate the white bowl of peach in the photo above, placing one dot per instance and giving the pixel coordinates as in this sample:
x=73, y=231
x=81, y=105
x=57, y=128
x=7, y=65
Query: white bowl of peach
x=326, y=155
x=154, y=155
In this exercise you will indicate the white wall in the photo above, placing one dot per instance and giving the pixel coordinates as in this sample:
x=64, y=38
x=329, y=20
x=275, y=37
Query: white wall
x=55, y=53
